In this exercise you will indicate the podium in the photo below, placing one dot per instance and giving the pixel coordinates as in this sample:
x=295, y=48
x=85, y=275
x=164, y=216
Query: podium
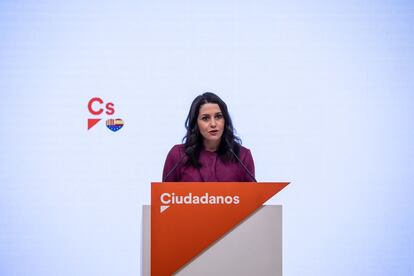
x=248, y=238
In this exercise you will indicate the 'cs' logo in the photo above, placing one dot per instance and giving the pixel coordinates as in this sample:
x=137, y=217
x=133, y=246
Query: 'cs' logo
x=96, y=107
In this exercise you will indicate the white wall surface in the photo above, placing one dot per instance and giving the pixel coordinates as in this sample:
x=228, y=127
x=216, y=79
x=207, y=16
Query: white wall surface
x=320, y=91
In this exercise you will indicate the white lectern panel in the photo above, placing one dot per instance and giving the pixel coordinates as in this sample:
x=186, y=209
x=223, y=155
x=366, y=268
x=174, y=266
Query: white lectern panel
x=254, y=247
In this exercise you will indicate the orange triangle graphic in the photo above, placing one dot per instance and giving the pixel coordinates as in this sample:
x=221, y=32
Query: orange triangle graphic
x=92, y=122
x=185, y=230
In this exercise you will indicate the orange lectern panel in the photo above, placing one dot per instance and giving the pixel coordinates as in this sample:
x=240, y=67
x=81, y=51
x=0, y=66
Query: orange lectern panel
x=187, y=217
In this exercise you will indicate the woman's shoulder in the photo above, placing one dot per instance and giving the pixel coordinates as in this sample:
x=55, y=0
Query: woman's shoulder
x=244, y=150
x=179, y=147
x=177, y=150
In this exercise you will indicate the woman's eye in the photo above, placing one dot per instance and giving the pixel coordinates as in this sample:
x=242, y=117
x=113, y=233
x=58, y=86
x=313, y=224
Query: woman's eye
x=219, y=116
x=205, y=119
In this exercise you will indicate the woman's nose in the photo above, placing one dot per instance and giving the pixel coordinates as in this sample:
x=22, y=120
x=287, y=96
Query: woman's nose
x=213, y=123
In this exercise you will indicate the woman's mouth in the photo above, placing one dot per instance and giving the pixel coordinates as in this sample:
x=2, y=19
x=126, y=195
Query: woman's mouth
x=213, y=132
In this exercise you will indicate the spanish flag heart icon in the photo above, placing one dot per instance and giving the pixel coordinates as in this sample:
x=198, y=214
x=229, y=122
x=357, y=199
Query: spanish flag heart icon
x=114, y=124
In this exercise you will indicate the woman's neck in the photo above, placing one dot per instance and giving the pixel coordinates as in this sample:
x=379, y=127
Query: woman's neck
x=211, y=146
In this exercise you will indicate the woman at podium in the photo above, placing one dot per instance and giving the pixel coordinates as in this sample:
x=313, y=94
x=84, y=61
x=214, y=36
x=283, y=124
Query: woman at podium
x=211, y=151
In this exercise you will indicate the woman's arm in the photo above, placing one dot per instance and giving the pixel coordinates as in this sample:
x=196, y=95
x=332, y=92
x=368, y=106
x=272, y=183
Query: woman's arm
x=171, y=172
x=249, y=163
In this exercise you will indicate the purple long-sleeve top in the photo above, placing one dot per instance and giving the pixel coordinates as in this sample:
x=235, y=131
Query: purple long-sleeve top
x=213, y=169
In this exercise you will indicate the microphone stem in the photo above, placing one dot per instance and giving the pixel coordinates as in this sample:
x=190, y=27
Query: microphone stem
x=244, y=166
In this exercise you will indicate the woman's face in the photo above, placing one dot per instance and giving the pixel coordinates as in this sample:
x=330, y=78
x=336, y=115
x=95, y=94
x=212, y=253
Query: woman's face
x=211, y=122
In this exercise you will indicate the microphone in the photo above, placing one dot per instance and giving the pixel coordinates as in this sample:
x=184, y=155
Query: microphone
x=178, y=163
x=173, y=168
x=241, y=163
